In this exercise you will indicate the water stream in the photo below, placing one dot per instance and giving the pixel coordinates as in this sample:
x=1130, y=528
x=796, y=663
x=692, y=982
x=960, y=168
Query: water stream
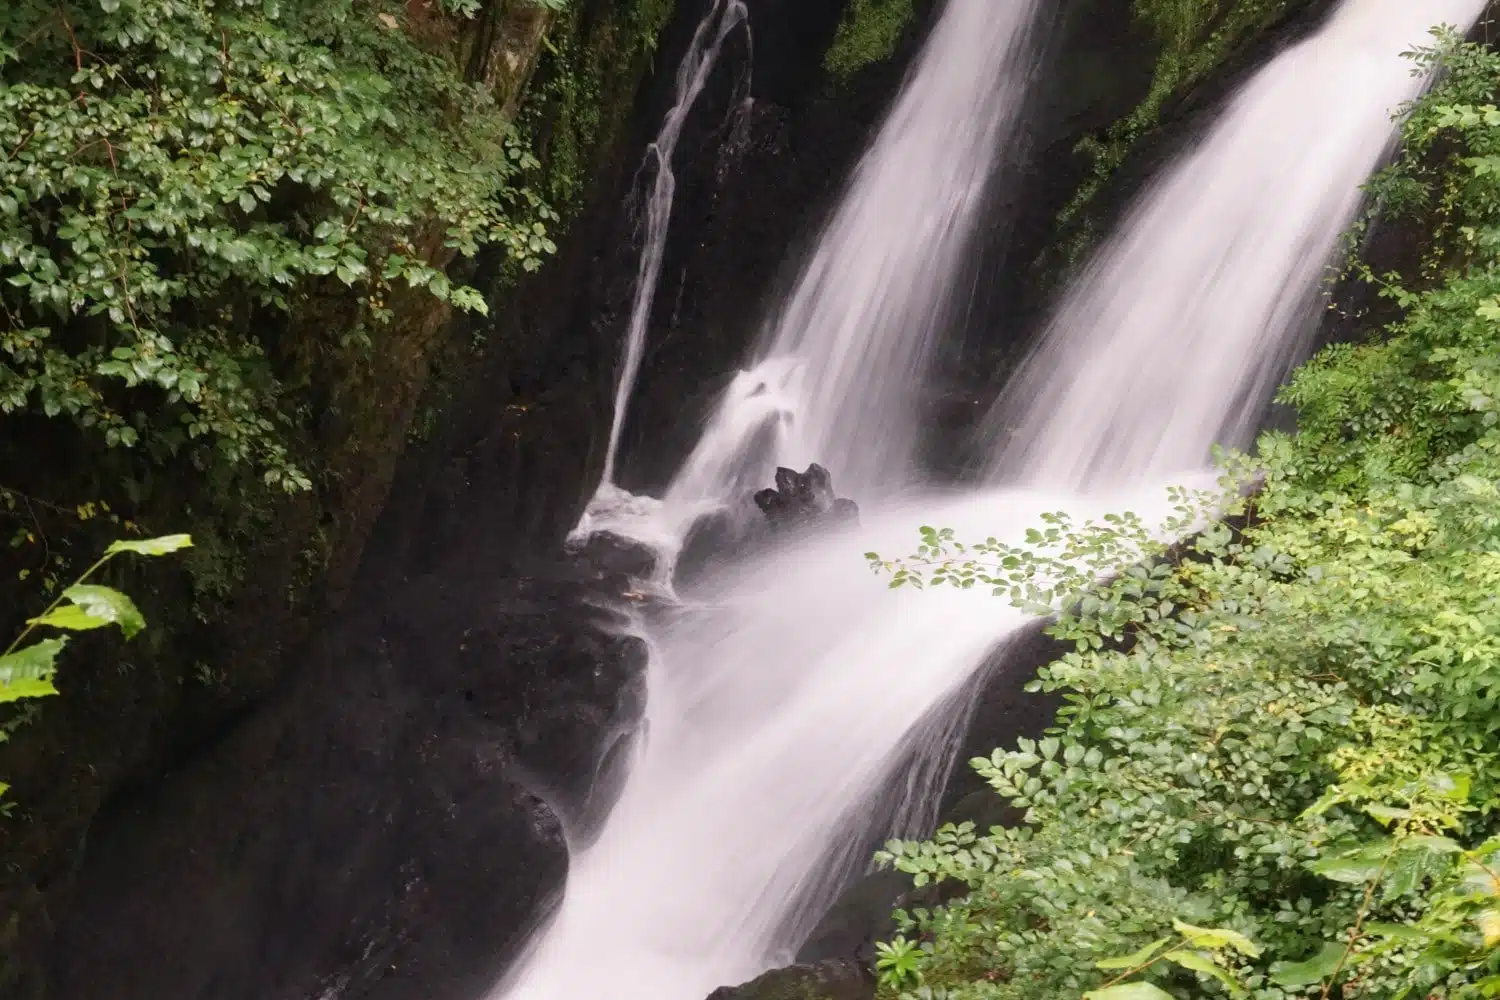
x=785, y=690
x=692, y=76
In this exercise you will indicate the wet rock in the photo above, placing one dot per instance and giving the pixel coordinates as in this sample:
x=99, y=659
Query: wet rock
x=388, y=828
x=605, y=555
x=860, y=917
x=800, y=499
x=834, y=980
x=716, y=537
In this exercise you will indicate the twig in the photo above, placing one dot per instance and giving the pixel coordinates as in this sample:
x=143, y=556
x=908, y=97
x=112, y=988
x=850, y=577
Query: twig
x=32, y=623
x=1359, y=920
x=62, y=12
x=1144, y=965
x=36, y=500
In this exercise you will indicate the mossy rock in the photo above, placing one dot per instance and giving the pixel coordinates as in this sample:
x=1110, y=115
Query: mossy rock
x=833, y=980
x=870, y=33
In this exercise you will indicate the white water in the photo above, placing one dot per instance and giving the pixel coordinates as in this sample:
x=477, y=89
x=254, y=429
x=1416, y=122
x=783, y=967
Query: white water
x=848, y=348
x=777, y=706
x=692, y=75
x=780, y=700
x=1181, y=328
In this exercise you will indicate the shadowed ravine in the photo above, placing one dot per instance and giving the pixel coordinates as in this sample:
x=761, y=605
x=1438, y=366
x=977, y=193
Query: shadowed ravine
x=783, y=688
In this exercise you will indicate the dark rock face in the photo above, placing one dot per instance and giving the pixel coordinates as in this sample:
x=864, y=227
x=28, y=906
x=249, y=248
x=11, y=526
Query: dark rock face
x=833, y=980
x=380, y=826
x=804, y=499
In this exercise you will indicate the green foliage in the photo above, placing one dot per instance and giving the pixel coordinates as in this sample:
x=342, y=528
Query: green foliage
x=27, y=668
x=174, y=178
x=1275, y=772
x=898, y=962
x=577, y=101
x=868, y=34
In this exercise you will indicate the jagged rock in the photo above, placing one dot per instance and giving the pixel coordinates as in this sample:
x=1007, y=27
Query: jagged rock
x=802, y=498
x=798, y=500
x=834, y=980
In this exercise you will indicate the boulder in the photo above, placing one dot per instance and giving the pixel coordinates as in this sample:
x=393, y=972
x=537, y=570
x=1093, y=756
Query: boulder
x=833, y=980
x=715, y=538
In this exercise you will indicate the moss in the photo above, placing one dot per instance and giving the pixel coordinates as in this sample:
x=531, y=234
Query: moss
x=869, y=33
x=1195, y=38
x=583, y=90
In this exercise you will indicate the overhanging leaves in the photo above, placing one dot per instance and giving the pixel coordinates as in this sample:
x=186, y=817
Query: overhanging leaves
x=1312, y=970
x=151, y=546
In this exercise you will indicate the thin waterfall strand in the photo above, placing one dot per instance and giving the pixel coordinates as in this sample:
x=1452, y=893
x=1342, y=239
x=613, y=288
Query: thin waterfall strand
x=692, y=75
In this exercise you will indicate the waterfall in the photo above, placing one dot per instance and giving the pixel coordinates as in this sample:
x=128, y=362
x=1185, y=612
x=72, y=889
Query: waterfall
x=783, y=694
x=1181, y=328
x=839, y=363
x=692, y=75
x=852, y=342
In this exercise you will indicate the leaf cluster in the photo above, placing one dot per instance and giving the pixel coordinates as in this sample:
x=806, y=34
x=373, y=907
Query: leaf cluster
x=27, y=667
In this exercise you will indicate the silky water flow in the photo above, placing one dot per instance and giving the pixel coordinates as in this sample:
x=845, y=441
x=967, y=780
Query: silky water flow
x=782, y=693
x=692, y=76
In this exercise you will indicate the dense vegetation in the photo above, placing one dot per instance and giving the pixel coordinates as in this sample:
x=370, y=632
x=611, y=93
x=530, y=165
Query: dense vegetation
x=1277, y=771
x=175, y=177
x=231, y=235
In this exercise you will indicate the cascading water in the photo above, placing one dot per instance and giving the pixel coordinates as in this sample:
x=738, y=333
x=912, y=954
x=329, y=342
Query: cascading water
x=839, y=364
x=782, y=696
x=1186, y=321
x=692, y=75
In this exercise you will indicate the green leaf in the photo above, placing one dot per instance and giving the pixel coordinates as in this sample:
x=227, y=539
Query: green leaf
x=1138, y=990
x=27, y=673
x=1309, y=971
x=1387, y=814
x=70, y=617
x=1354, y=869
x=1216, y=938
x=1134, y=959
x=151, y=546
x=1200, y=961
x=108, y=605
